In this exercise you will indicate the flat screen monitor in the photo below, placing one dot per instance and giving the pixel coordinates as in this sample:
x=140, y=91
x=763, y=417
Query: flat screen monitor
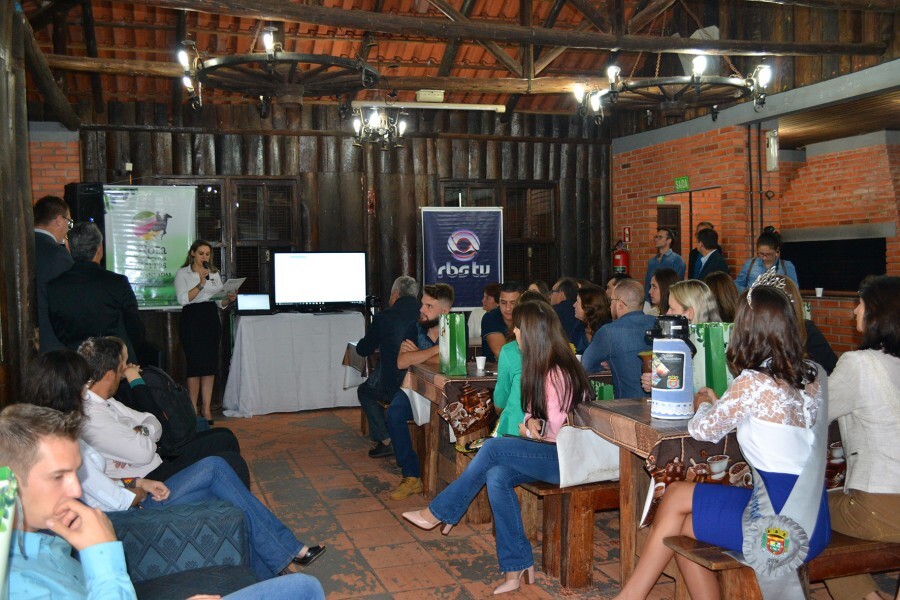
x=314, y=280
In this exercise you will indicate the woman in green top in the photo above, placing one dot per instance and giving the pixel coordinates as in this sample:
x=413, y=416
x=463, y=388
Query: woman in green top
x=508, y=391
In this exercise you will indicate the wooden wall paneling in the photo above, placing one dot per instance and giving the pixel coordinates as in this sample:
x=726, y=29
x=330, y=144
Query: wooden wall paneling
x=475, y=148
x=567, y=225
x=252, y=146
x=458, y=123
x=290, y=148
x=274, y=144
x=141, y=153
x=307, y=167
x=205, y=150
x=600, y=213
x=352, y=196
x=118, y=143
x=229, y=151
x=782, y=20
x=559, y=127
x=329, y=211
x=582, y=210
x=93, y=145
x=849, y=29
x=872, y=30
x=328, y=155
x=808, y=69
x=386, y=187
x=161, y=153
x=541, y=149
x=508, y=150
x=493, y=150
x=524, y=127
x=406, y=214
x=309, y=210
x=373, y=239
x=831, y=63
x=443, y=146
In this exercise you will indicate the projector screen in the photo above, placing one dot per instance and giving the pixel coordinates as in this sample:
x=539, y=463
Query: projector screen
x=319, y=278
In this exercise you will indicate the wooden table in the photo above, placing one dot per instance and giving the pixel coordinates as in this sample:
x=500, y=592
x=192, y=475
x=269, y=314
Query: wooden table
x=627, y=424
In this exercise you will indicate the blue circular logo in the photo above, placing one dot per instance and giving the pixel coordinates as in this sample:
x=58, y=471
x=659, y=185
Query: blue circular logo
x=463, y=244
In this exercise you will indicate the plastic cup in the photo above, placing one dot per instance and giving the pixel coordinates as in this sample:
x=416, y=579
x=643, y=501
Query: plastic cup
x=819, y=292
x=578, y=356
x=480, y=362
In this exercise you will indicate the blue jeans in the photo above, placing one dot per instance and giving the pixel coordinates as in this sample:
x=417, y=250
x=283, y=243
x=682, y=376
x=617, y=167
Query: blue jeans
x=287, y=587
x=501, y=464
x=272, y=545
x=398, y=413
x=369, y=396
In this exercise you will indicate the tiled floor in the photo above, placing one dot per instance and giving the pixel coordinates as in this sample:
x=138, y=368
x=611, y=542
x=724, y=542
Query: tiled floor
x=313, y=471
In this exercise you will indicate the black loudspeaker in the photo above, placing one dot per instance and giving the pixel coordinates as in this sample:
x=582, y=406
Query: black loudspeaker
x=85, y=201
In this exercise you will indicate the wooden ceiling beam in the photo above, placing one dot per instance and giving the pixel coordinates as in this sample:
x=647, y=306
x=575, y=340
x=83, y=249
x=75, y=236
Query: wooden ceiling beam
x=514, y=34
x=650, y=12
x=592, y=14
x=90, y=40
x=448, y=60
x=43, y=79
x=884, y=6
x=366, y=45
x=499, y=53
x=552, y=54
x=44, y=15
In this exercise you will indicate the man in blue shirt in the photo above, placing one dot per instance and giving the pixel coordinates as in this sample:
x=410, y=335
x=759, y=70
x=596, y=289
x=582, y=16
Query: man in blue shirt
x=420, y=345
x=562, y=298
x=41, y=446
x=665, y=257
x=619, y=342
x=385, y=334
x=497, y=323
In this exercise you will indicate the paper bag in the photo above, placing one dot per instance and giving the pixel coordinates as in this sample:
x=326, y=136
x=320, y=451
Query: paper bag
x=452, y=341
x=710, y=367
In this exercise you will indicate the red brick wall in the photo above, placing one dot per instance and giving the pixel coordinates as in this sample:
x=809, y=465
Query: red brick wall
x=840, y=188
x=53, y=165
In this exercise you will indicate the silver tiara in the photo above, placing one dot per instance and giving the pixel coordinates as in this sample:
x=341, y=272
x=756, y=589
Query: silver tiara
x=769, y=279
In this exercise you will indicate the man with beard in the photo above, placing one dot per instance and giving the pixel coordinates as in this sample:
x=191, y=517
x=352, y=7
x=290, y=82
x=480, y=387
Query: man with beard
x=420, y=345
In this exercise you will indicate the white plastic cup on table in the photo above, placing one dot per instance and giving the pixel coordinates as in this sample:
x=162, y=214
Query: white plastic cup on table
x=819, y=292
x=480, y=362
x=578, y=356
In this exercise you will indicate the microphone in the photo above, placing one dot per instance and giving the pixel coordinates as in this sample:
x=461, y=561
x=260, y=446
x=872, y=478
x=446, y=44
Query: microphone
x=206, y=266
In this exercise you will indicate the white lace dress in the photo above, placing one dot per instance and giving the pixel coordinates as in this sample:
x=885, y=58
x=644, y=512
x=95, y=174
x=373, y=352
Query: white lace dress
x=773, y=422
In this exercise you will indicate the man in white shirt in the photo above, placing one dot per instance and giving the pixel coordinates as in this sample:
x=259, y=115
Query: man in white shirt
x=127, y=438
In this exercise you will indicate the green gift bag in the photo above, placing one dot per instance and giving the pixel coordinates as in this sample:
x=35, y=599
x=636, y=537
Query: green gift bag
x=452, y=342
x=7, y=520
x=710, y=366
x=602, y=391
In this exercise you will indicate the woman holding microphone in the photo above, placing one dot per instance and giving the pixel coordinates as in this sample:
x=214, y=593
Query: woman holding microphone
x=196, y=282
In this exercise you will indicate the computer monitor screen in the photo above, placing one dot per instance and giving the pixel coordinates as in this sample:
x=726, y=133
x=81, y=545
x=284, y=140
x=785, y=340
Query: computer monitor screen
x=316, y=279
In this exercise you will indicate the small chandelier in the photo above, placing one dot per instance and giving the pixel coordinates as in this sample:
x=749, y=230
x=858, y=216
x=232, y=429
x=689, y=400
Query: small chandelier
x=272, y=73
x=673, y=95
x=382, y=126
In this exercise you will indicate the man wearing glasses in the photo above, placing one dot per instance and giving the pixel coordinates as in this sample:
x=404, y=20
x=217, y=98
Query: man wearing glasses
x=665, y=257
x=52, y=222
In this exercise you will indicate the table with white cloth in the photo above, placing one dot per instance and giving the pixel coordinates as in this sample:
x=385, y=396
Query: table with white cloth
x=289, y=362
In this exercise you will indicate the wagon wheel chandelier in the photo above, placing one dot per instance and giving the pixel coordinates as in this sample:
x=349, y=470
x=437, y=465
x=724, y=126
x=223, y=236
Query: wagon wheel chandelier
x=272, y=74
x=672, y=96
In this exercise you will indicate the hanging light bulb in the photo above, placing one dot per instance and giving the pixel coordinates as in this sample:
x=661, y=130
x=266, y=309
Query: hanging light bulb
x=698, y=65
x=579, y=91
x=612, y=73
x=401, y=127
x=269, y=41
x=373, y=119
x=596, y=97
x=188, y=83
x=357, y=125
x=183, y=59
x=763, y=75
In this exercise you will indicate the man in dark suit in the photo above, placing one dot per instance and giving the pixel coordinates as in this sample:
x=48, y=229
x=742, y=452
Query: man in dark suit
x=694, y=254
x=52, y=220
x=385, y=334
x=563, y=297
x=88, y=301
x=710, y=255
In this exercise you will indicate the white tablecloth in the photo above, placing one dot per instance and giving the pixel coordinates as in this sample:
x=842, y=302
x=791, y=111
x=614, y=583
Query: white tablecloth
x=290, y=362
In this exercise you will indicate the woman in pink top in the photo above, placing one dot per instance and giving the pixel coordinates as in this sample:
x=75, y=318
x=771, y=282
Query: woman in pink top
x=552, y=383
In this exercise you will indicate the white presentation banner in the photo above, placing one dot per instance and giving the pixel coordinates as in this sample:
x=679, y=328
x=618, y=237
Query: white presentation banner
x=149, y=230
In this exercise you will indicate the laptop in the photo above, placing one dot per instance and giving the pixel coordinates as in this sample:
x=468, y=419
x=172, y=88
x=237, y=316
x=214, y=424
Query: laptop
x=253, y=304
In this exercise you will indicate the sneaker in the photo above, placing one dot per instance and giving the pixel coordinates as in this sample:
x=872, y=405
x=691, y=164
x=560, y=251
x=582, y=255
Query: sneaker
x=408, y=486
x=381, y=450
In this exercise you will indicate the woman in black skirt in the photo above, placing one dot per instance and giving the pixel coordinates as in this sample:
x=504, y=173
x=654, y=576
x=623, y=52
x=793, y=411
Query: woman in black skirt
x=196, y=282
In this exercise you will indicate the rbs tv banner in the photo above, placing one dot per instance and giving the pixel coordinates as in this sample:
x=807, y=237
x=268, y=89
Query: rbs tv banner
x=462, y=247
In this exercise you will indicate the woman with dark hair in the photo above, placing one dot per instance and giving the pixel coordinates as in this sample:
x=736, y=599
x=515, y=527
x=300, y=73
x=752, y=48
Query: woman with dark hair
x=592, y=312
x=777, y=404
x=59, y=380
x=541, y=287
x=660, y=283
x=768, y=255
x=199, y=328
x=725, y=292
x=817, y=347
x=864, y=392
x=553, y=382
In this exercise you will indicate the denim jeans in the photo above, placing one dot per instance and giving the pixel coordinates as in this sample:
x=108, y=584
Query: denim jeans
x=272, y=545
x=398, y=413
x=287, y=587
x=369, y=396
x=501, y=464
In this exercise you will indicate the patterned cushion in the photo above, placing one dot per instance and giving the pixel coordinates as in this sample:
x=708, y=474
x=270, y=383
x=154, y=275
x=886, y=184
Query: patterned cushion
x=208, y=580
x=160, y=542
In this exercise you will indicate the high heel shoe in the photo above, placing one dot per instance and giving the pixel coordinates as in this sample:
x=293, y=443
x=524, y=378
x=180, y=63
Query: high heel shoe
x=513, y=580
x=415, y=517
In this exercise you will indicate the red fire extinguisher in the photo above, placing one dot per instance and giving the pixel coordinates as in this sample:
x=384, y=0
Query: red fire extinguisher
x=620, y=258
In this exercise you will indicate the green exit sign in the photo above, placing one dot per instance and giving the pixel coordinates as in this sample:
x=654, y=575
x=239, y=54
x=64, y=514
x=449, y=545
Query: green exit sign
x=682, y=184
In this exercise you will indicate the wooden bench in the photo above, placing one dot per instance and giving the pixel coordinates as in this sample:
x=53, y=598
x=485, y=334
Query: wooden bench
x=568, y=514
x=844, y=556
